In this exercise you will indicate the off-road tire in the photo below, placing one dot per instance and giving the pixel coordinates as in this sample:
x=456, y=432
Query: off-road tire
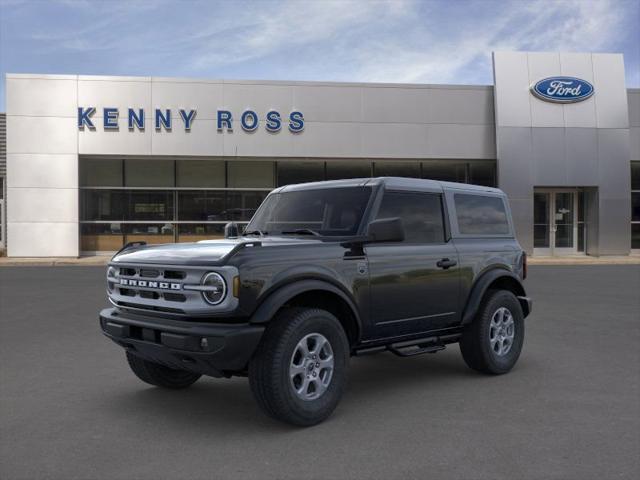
x=269, y=375
x=475, y=344
x=159, y=375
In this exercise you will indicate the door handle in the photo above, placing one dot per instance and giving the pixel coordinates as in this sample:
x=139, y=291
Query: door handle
x=446, y=263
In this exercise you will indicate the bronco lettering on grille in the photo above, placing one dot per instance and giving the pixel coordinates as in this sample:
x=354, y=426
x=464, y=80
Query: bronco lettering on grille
x=129, y=282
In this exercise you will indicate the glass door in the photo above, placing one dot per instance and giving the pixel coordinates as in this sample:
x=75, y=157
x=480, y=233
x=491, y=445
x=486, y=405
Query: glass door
x=555, y=222
x=542, y=223
x=564, y=223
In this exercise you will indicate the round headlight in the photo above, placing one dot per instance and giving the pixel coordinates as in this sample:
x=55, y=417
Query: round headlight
x=216, y=288
x=111, y=275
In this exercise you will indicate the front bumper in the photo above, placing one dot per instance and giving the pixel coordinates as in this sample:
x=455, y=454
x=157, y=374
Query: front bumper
x=213, y=349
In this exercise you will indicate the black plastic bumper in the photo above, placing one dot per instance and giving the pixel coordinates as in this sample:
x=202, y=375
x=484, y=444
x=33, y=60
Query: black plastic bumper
x=213, y=349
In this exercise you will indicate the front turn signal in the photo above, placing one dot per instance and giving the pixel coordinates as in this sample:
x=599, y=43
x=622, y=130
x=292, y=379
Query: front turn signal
x=236, y=286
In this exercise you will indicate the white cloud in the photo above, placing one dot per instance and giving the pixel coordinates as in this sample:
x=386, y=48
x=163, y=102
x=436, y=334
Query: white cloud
x=570, y=25
x=258, y=32
x=430, y=41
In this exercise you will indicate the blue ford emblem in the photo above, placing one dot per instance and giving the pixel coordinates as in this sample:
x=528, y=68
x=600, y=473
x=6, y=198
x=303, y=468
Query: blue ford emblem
x=562, y=89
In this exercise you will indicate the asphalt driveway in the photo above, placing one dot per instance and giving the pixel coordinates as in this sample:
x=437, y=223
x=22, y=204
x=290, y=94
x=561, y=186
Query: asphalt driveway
x=71, y=409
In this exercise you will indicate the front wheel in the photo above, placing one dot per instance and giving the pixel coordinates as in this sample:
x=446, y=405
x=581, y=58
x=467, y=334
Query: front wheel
x=299, y=372
x=493, y=341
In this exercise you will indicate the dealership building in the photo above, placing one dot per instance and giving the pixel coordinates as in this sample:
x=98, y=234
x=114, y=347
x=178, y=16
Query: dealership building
x=95, y=162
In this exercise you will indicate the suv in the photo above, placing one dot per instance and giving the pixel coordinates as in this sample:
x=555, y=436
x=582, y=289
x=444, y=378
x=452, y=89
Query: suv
x=322, y=272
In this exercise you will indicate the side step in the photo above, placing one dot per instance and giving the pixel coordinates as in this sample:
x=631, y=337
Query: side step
x=414, y=347
x=411, y=350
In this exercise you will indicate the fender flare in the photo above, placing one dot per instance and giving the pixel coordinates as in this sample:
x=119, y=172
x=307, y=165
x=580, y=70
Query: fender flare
x=481, y=286
x=282, y=294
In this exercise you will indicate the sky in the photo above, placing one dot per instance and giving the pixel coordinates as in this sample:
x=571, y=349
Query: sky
x=404, y=41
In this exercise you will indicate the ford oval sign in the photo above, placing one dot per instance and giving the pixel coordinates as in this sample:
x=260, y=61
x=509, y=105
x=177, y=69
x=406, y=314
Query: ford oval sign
x=562, y=89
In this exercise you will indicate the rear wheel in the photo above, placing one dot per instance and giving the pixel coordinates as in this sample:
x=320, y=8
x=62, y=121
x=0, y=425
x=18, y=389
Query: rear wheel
x=299, y=372
x=159, y=375
x=493, y=341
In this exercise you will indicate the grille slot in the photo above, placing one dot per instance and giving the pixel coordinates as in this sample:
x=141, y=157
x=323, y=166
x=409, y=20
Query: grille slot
x=148, y=273
x=149, y=294
x=127, y=272
x=127, y=292
x=174, y=274
x=174, y=297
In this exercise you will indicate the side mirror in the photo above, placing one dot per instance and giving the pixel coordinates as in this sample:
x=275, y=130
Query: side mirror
x=386, y=230
x=231, y=230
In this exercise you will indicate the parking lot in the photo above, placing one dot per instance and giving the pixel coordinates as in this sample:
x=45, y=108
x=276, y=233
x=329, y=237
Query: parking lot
x=71, y=409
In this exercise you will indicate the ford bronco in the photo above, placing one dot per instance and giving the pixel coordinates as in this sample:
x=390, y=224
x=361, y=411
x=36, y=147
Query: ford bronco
x=325, y=271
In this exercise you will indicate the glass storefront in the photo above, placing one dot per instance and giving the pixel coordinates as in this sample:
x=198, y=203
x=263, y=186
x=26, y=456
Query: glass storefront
x=167, y=200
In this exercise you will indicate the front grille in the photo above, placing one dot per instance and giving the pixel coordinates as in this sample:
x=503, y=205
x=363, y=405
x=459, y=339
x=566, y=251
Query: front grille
x=161, y=289
x=157, y=289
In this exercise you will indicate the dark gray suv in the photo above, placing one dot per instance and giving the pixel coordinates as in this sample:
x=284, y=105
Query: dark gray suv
x=322, y=272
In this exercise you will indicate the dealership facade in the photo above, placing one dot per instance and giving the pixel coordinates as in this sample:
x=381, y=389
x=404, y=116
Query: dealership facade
x=95, y=162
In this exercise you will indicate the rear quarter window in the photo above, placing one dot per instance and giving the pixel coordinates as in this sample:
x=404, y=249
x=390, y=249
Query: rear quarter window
x=481, y=215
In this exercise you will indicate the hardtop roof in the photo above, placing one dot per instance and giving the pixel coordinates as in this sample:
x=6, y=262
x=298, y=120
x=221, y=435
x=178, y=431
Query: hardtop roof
x=392, y=182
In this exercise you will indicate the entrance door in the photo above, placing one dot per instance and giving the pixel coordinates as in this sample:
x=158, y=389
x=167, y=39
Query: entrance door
x=2, y=221
x=555, y=222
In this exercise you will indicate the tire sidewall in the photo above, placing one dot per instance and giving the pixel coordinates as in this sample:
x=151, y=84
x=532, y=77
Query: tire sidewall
x=504, y=363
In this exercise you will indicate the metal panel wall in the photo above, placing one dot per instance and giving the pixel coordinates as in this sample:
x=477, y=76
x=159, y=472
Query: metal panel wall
x=341, y=119
x=585, y=144
x=42, y=166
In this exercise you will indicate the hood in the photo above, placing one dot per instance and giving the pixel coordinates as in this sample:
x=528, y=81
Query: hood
x=203, y=252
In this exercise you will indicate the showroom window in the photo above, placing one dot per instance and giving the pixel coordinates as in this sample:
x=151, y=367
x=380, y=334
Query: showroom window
x=164, y=201
x=160, y=200
x=635, y=206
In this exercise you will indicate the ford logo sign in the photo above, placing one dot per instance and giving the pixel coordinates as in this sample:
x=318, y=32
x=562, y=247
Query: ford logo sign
x=562, y=89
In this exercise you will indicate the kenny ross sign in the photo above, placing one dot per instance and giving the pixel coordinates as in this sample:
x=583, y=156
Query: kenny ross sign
x=162, y=119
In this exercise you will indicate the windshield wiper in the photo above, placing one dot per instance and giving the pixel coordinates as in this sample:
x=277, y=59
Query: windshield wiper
x=256, y=232
x=301, y=231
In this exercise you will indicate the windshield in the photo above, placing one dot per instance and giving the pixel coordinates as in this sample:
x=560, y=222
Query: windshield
x=325, y=212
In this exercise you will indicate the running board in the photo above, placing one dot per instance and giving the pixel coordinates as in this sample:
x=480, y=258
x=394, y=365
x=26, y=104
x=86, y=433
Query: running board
x=413, y=350
x=414, y=347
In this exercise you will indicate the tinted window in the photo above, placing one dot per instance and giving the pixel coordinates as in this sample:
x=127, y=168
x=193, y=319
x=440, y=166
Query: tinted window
x=421, y=215
x=329, y=211
x=480, y=215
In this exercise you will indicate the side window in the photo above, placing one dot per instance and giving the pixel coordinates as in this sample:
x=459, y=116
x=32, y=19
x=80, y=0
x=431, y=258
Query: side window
x=481, y=215
x=421, y=215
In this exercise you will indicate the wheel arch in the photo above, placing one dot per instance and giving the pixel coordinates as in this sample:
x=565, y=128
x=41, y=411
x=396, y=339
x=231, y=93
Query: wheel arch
x=494, y=279
x=312, y=294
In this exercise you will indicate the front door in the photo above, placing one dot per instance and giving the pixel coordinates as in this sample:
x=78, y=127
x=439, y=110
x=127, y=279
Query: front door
x=555, y=225
x=414, y=284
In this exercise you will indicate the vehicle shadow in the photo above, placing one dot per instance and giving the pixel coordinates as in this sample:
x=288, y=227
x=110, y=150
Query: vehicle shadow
x=228, y=405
